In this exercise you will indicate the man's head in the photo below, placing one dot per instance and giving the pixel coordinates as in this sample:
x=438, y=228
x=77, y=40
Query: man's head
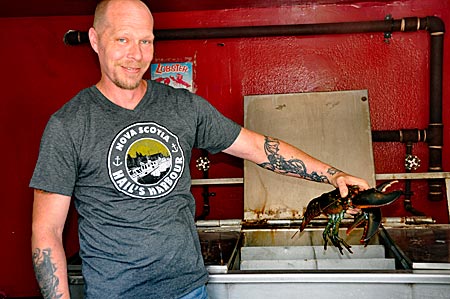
x=122, y=36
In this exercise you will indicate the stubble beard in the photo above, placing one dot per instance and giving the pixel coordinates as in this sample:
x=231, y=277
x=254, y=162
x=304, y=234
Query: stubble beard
x=127, y=84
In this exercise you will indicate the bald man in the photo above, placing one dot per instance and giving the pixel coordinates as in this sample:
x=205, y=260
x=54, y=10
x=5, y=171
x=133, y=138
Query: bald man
x=121, y=149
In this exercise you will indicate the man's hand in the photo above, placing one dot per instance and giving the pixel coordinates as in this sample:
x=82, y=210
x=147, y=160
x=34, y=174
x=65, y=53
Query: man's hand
x=341, y=180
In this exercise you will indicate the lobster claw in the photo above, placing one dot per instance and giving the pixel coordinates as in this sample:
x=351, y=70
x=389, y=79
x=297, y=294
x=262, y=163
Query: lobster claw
x=375, y=197
x=370, y=202
x=372, y=219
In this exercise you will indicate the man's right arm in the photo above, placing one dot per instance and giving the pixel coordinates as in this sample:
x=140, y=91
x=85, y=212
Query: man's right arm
x=49, y=260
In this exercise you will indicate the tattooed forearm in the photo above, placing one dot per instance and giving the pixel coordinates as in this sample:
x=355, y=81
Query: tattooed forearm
x=332, y=171
x=278, y=163
x=45, y=273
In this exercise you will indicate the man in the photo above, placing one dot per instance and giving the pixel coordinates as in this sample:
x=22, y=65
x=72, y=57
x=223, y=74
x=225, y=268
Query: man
x=122, y=148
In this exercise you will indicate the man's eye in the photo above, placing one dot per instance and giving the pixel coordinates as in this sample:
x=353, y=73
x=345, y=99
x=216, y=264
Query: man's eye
x=121, y=40
x=146, y=42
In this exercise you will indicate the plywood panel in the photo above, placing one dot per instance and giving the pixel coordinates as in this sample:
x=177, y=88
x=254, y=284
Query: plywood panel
x=331, y=126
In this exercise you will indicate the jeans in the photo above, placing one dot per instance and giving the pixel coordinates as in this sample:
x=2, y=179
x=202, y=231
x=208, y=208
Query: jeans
x=198, y=293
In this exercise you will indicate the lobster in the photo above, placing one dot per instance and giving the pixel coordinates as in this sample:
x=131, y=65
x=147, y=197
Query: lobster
x=334, y=206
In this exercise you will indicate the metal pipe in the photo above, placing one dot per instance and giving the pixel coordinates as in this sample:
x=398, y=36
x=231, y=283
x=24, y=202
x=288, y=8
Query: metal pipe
x=278, y=30
x=408, y=193
x=433, y=135
x=404, y=136
x=75, y=37
x=378, y=176
x=205, y=194
x=434, y=25
x=436, y=127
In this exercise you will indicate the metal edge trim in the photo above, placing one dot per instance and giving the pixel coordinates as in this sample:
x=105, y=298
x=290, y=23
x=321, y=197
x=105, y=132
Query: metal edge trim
x=388, y=278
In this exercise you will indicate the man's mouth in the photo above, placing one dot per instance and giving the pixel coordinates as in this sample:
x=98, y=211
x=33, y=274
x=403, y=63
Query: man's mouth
x=132, y=69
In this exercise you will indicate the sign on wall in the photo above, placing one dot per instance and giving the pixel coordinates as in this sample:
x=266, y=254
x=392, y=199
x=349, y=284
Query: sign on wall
x=175, y=74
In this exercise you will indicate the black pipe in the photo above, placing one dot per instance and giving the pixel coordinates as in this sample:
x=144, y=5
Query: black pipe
x=404, y=136
x=433, y=135
x=407, y=193
x=76, y=37
x=434, y=25
x=436, y=128
x=205, y=191
x=389, y=25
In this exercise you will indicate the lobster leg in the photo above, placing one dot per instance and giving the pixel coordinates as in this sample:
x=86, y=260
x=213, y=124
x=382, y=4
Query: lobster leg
x=332, y=232
x=326, y=232
x=335, y=239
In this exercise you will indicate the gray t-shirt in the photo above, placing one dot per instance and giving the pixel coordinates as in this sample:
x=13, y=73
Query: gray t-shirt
x=128, y=171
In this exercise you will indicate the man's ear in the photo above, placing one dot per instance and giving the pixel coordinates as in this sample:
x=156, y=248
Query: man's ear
x=93, y=39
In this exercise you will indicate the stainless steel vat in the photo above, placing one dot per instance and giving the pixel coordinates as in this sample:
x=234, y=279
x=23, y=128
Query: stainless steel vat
x=280, y=271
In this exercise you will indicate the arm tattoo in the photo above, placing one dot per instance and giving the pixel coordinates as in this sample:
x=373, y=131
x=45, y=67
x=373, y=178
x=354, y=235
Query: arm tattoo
x=278, y=163
x=332, y=171
x=45, y=273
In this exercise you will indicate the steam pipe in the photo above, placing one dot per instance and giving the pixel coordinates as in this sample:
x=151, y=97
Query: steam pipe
x=74, y=37
x=433, y=135
x=434, y=25
x=436, y=127
x=404, y=135
x=205, y=194
x=407, y=192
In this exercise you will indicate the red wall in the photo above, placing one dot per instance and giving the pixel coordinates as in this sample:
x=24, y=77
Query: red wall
x=40, y=73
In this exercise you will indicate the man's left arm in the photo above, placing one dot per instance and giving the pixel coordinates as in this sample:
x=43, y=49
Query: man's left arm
x=281, y=157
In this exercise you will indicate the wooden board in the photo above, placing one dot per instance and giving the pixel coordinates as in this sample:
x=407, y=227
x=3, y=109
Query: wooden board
x=331, y=126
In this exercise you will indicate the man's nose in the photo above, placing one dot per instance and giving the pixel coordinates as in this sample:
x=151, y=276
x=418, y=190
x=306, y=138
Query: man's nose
x=135, y=51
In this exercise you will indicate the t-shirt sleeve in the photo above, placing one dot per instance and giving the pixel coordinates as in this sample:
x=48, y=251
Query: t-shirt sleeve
x=56, y=167
x=215, y=132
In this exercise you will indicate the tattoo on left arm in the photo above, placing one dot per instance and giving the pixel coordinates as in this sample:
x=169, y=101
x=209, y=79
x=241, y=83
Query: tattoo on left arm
x=45, y=273
x=278, y=163
x=332, y=171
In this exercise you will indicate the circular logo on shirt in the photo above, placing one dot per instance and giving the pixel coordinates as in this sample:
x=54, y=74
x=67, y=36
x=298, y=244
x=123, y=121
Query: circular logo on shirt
x=145, y=160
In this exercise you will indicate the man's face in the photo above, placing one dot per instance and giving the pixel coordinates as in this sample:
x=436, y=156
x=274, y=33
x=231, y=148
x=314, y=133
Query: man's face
x=125, y=47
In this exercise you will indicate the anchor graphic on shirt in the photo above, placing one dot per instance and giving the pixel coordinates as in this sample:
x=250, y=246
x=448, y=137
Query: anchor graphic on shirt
x=174, y=148
x=117, y=161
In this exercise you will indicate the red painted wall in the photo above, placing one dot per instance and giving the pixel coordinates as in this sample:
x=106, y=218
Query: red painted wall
x=40, y=73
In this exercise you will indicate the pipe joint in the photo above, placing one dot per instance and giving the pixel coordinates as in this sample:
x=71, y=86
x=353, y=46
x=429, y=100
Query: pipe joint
x=412, y=135
x=412, y=24
x=435, y=134
x=435, y=25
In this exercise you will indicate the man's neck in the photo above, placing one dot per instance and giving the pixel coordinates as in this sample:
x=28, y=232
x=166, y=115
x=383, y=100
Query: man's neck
x=124, y=98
